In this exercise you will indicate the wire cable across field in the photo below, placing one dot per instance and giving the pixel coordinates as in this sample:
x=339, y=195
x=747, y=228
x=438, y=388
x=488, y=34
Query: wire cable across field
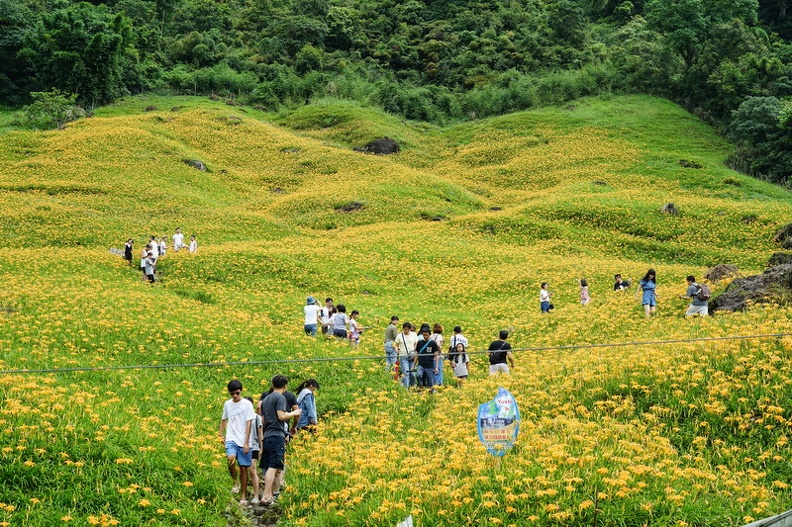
x=381, y=357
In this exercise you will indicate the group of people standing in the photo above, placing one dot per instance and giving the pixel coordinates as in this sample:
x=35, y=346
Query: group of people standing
x=156, y=248
x=261, y=434
x=697, y=293
x=333, y=320
x=418, y=358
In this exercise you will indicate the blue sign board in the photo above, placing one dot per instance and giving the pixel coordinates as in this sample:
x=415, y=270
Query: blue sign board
x=499, y=423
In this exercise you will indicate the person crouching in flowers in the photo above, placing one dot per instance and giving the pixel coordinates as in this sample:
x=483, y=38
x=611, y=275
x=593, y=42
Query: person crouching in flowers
x=307, y=404
x=459, y=361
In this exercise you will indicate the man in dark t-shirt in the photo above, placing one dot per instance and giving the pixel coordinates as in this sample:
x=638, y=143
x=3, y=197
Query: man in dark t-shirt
x=428, y=358
x=500, y=352
x=275, y=414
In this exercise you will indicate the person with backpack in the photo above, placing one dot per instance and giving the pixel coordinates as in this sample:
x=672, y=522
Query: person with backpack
x=429, y=358
x=699, y=295
x=406, y=349
x=499, y=353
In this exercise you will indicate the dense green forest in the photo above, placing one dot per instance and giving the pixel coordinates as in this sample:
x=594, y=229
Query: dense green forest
x=728, y=61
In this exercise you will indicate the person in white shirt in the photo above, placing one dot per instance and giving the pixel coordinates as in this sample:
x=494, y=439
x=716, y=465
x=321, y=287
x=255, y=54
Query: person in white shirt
x=178, y=239
x=163, y=248
x=311, y=311
x=193, y=244
x=406, y=345
x=326, y=313
x=236, y=427
x=544, y=298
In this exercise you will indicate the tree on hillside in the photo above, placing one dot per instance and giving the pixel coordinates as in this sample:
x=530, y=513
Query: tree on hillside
x=55, y=106
x=14, y=21
x=762, y=129
x=81, y=48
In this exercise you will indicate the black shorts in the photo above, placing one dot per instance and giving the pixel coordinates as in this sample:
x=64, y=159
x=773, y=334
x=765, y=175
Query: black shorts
x=340, y=333
x=274, y=453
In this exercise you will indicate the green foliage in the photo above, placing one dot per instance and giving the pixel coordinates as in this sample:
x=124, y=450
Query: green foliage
x=54, y=106
x=83, y=49
x=435, y=61
x=762, y=129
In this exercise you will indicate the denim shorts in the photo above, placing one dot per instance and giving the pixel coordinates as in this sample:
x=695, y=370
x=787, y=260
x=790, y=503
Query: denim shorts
x=232, y=449
x=274, y=452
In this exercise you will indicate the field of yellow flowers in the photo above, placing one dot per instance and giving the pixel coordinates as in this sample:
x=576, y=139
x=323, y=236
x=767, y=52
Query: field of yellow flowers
x=461, y=227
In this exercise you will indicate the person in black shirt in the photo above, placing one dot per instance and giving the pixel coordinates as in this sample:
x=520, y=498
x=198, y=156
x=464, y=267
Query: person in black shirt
x=428, y=358
x=500, y=352
x=128, y=250
x=620, y=284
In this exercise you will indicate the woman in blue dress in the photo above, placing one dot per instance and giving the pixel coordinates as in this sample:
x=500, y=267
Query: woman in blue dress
x=648, y=285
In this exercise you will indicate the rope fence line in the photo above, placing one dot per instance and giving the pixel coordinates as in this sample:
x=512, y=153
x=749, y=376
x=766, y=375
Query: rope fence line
x=381, y=357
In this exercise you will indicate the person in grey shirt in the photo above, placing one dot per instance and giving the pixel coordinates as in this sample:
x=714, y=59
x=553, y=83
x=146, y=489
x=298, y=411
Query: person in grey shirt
x=274, y=413
x=391, y=332
x=696, y=307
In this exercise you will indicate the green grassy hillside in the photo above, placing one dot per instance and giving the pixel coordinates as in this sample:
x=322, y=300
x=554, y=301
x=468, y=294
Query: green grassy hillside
x=461, y=227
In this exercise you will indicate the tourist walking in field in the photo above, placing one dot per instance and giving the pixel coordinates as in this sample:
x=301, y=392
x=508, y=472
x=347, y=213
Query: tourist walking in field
x=274, y=411
x=339, y=322
x=193, y=244
x=429, y=359
x=405, y=346
x=355, y=329
x=178, y=240
x=457, y=338
x=648, y=285
x=544, y=298
x=619, y=284
x=256, y=438
x=307, y=403
x=584, y=292
x=699, y=296
x=150, y=264
x=391, y=333
x=500, y=353
x=459, y=361
x=437, y=336
x=163, y=246
x=236, y=426
x=326, y=316
x=153, y=247
x=128, y=250
x=311, y=312
x=143, y=258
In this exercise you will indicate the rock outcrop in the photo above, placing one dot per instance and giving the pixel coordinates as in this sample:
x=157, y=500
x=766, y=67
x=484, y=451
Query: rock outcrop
x=774, y=285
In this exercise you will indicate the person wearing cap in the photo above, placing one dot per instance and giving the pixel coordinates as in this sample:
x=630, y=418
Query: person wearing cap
x=312, y=312
x=429, y=358
x=391, y=334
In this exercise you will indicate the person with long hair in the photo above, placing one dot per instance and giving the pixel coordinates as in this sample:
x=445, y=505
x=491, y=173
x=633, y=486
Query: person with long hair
x=648, y=285
x=437, y=336
x=307, y=403
x=584, y=292
x=459, y=360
